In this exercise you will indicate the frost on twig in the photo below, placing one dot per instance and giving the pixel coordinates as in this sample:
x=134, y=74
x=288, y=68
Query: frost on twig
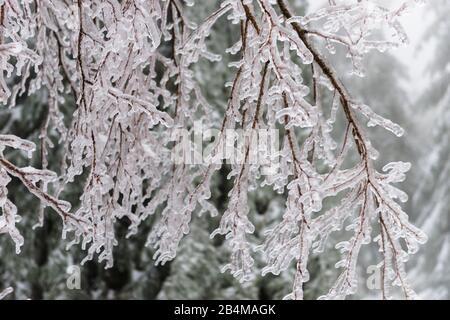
x=32, y=179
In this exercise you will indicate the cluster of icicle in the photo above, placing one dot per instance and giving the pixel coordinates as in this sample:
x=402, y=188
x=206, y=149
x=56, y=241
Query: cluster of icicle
x=129, y=66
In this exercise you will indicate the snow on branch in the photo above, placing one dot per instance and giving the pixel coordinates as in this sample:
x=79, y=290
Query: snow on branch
x=5, y=292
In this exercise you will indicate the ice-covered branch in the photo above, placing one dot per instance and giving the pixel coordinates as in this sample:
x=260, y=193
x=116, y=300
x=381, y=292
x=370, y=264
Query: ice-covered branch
x=131, y=68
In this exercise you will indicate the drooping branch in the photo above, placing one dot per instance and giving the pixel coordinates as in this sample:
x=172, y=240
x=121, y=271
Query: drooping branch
x=328, y=71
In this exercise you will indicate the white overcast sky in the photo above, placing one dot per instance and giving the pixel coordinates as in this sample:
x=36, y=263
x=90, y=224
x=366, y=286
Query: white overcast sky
x=416, y=58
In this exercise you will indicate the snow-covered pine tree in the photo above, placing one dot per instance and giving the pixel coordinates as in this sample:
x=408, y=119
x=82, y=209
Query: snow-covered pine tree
x=431, y=201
